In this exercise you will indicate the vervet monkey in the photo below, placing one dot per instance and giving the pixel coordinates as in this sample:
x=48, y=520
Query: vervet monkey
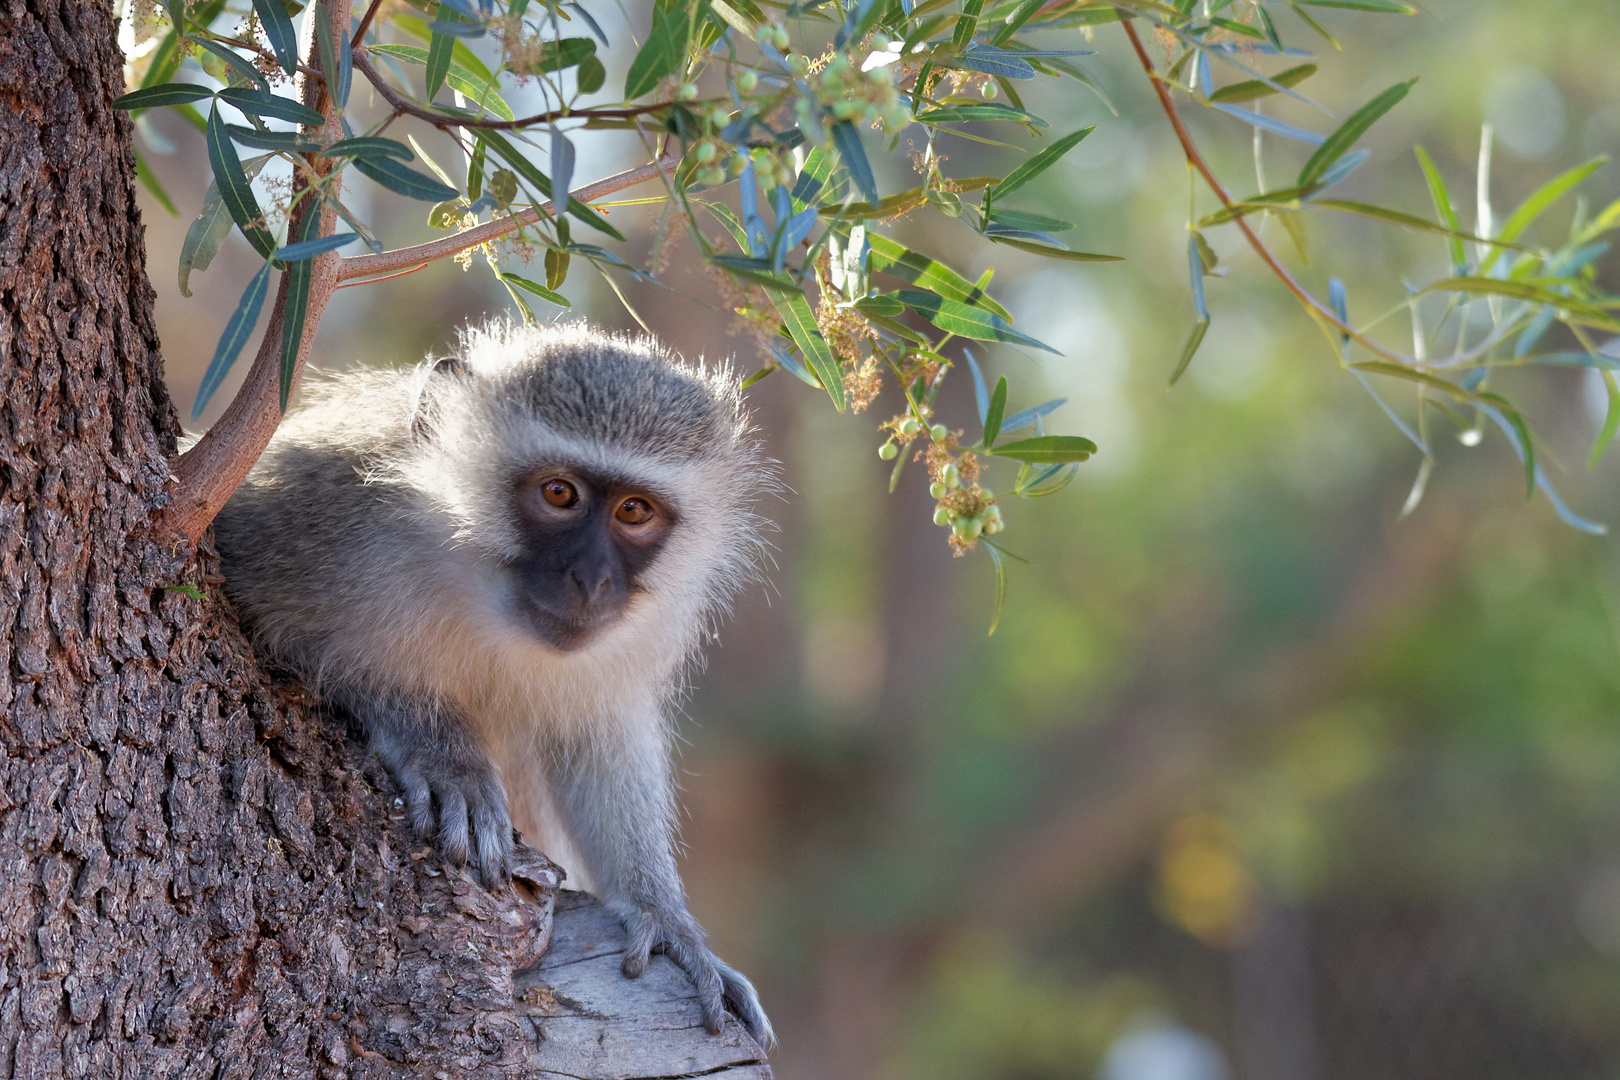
x=502, y=564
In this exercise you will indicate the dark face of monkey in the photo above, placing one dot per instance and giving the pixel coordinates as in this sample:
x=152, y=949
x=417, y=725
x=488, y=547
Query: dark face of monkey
x=588, y=540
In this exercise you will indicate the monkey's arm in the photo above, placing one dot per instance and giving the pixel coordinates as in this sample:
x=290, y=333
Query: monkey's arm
x=448, y=778
x=613, y=789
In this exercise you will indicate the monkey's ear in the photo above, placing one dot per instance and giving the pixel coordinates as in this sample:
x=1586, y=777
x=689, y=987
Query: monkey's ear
x=450, y=365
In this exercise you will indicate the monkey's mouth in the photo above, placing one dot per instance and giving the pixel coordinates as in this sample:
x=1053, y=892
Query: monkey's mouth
x=570, y=631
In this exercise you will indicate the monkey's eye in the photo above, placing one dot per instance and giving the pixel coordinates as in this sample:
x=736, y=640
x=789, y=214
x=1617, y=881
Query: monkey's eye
x=634, y=511
x=559, y=493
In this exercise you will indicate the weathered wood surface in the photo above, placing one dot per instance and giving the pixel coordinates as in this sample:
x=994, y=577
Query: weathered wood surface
x=591, y=1023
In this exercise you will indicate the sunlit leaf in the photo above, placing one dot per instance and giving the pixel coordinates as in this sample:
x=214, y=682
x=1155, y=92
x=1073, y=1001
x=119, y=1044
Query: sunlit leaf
x=157, y=97
x=1047, y=449
x=1250, y=89
x=801, y=326
x=1341, y=141
x=955, y=317
x=995, y=412
x=234, y=189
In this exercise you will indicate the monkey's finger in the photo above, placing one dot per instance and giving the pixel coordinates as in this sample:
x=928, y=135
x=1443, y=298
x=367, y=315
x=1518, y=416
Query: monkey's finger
x=418, y=797
x=492, y=833
x=644, y=933
x=453, y=824
x=744, y=1001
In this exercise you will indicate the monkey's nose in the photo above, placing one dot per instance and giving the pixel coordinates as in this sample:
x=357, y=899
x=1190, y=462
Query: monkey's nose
x=592, y=582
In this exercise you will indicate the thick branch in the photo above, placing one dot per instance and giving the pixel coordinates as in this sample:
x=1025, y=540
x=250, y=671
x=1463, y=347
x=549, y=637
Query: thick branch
x=366, y=265
x=1196, y=160
x=207, y=473
x=402, y=104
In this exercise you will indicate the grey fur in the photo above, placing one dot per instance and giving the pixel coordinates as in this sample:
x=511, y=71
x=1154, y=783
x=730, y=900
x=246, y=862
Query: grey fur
x=369, y=549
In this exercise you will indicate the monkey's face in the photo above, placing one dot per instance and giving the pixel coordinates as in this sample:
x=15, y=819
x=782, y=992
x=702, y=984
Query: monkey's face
x=587, y=541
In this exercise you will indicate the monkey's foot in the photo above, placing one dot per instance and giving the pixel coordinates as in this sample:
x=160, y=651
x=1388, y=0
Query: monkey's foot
x=719, y=985
x=455, y=796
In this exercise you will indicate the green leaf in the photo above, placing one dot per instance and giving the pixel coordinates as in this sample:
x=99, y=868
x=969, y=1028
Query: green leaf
x=1524, y=290
x=591, y=75
x=1389, y=6
x=1038, y=164
x=811, y=184
x=527, y=169
x=757, y=271
x=967, y=22
x=1053, y=252
x=233, y=60
x=984, y=110
x=536, y=288
x=237, y=330
x=732, y=18
x=886, y=306
x=1340, y=142
x=1189, y=349
x=207, y=233
x=1396, y=217
x=853, y=154
x=438, y=51
x=1611, y=422
x=1047, y=449
x=234, y=189
x=1250, y=89
x=278, y=27
x=1001, y=585
x=801, y=326
x=1443, y=209
x=1019, y=219
x=958, y=318
x=996, y=410
x=157, y=97
x=308, y=249
x=404, y=181
x=295, y=312
x=460, y=55
x=556, y=267
x=1537, y=204
x=663, y=53
x=369, y=146
x=891, y=257
x=256, y=103
x=149, y=181
x=286, y=142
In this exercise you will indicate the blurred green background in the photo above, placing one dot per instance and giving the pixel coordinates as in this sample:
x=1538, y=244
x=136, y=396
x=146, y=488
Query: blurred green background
x=1256, y=778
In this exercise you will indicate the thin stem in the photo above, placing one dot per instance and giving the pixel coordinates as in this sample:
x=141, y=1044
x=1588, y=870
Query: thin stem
x=367, y=265
x=442, y=121
x=1317, y=309
x=359, y=39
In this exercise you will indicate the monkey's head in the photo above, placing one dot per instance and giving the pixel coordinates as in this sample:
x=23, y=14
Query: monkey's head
x=611, y=484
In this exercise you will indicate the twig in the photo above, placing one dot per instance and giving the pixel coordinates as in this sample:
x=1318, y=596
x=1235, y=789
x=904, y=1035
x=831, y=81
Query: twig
x=207, y=474
x=385, y=277
x=359, y=39
x=402, y=104
x=366, y=265
x=1196, y=160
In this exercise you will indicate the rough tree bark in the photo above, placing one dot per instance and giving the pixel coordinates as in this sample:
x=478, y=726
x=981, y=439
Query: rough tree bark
x=199, y=875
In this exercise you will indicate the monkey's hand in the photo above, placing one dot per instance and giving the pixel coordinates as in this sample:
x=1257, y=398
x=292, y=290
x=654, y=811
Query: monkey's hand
x=449, y=782
x=719, y=986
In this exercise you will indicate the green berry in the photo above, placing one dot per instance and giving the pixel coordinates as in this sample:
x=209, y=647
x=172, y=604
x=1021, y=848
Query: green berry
x=747, y=81
x=988, y=90
x=938, y=433
x=951, y=475
x=937, y=489
x=942, y=516
x=706, y=152
x=971, y=528
x=687, y=91
x=909, y=426
x=888, y=451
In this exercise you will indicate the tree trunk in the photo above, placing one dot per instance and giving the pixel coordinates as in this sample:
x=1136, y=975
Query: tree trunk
x=199, y=875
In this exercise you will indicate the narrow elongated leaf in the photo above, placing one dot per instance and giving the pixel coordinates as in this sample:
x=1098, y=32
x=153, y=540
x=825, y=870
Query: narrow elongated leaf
x=891, y=257
x=1341, y=141
x=1019, y=219
x=993, y=415
x=1396, y=217
x=157, y=97
x=234, y=188
x=239, y=67
x=527, y=169
x=1001, y=585
x=1611, y=422
x=149, y=181
x=811, y=185
x=537, y=289
x=958, y=318
x=278, y=27
x=562, y=161
x=308, y=249
x=968, y=22
x=1537, y=204
x=1047, y=449
x=801, y=326
x=981, y=396
x=271, y=105
x=1038, y=164
x=295, y=313
x=989, y=60
x=1524, y=290
x=1388, y=6
x=369, y=146
x=1053, y=252
x=983, y=110
x=1273, y=125
x=1250, y=89
x=662, y=54
x=460, y=54
x=335, y=59
x=1024, y=418
x=237, y=330
x=208, y=232
x=848, y=141
x=291, y=142
x=404, y=181
x=1189, y=349
x=438, y=55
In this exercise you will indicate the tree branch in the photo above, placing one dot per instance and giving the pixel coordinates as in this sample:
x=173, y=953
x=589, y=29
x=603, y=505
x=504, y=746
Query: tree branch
x=402, y=104
x=207, y=474
x=1316, y=308
x=366, y=265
